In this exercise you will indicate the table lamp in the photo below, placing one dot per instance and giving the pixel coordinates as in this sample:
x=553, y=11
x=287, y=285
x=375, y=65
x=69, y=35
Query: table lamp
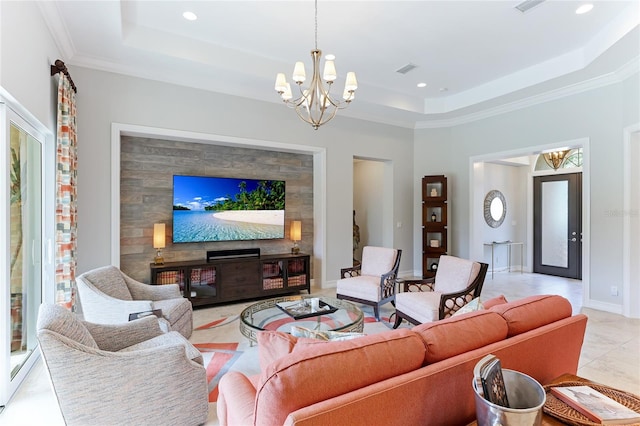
x=158, y=242
x=295, y=235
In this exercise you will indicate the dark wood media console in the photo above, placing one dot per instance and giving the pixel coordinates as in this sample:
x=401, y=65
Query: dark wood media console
x=233, y=279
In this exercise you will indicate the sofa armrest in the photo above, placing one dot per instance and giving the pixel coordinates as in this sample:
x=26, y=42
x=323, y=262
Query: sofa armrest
x=236, y=399
x=114, y=337
x=142, y=291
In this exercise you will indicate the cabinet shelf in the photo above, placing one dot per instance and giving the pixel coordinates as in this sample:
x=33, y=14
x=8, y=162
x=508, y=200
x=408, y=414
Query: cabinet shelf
x=434, y=222
x=229, y=280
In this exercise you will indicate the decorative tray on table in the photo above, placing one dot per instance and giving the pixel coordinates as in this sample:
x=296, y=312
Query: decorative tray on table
x=562, y=411
x=304, y=308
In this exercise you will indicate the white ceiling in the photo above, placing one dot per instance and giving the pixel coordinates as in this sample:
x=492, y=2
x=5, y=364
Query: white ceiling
x=489, y=56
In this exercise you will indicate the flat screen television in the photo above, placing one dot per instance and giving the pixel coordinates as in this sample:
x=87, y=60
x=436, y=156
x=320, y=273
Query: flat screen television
x=207, y=208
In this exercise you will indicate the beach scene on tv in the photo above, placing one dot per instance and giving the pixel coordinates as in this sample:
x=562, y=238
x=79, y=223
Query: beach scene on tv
x=226, y=209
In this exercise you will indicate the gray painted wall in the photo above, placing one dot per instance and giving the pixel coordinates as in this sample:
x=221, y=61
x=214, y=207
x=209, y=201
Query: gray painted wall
x=600, y=115
x=108, y=98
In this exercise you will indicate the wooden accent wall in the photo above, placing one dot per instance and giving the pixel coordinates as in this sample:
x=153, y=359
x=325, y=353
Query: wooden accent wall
x=147, y=167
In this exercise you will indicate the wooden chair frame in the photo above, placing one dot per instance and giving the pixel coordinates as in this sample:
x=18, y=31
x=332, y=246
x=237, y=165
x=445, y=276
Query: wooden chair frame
x=444, y=311
x=387, y=286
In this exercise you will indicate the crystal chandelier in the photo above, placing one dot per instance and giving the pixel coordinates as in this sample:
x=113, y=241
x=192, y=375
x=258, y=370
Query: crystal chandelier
x=315, y=104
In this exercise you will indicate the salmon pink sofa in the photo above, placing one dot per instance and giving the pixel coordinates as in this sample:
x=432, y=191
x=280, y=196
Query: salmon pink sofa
x=402, y=377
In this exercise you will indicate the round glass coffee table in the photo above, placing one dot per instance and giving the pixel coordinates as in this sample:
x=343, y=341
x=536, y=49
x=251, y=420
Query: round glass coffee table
x=266, y=315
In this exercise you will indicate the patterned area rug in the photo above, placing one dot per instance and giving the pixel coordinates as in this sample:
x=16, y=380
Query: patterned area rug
x=225, y=349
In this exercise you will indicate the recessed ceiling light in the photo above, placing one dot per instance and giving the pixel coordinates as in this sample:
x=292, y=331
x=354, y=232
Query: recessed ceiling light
x=422, y=84
x=189, y=16
x=584, y=9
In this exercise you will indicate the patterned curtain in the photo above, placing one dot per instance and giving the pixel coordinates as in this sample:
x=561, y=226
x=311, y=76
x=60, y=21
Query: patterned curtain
x=66, y=201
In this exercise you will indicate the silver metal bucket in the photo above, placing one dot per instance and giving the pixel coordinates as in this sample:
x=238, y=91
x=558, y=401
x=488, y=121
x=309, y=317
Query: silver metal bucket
x=526, y=398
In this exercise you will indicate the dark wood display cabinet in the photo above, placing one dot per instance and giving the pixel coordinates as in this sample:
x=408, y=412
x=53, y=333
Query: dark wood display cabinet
x=233, y=279
x=434, y=223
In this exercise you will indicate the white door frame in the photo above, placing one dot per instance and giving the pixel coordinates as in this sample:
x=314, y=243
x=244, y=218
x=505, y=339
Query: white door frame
x=631, y=135
x=476, y=186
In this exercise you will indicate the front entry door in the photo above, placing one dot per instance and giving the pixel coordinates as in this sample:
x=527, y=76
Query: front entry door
x=557, y=225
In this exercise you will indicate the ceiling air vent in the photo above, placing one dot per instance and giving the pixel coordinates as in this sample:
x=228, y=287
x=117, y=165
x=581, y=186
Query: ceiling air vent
x=405, y=69
x=528, y=4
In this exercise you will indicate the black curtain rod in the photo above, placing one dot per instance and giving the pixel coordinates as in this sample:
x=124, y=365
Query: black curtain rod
x=61, y=67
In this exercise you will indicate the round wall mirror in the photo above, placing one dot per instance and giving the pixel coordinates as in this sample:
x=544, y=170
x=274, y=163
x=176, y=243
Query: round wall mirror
x=495, y=208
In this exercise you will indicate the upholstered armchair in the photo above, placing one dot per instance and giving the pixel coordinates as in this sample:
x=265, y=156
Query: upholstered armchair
x=373, y=282
x=131, y=373
x=457, y=282
x=108, y=296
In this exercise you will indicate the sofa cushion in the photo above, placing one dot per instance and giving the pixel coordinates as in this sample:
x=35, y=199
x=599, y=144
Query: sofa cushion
x=533, y=312
x=365, y=287
x=377, y=261
x=460, y=334
x=423, y=306
x=455, y=274
x=318, y=372
x=172, y=338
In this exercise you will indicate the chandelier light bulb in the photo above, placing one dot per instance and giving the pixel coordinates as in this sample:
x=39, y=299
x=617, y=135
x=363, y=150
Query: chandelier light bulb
x=299, y=76
x=286, y=95
x=329, y=71
x=281, y=82
x=352, y=83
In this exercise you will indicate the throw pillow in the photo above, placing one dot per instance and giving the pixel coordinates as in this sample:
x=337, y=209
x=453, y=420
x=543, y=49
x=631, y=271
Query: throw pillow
x=474, y=305
x=488, y=304
x=332, y=336
x=273, y=345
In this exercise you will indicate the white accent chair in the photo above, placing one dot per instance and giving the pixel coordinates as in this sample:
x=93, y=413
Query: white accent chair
x=108, y=296
x=457, y=282
x=373, y=282
x=131, y=373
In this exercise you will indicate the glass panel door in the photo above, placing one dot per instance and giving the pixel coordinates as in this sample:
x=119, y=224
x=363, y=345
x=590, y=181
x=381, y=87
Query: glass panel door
x=557, y=225
x=21, y=263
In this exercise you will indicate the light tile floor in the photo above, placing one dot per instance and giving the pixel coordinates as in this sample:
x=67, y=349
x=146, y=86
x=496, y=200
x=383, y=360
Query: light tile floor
x=610, y=354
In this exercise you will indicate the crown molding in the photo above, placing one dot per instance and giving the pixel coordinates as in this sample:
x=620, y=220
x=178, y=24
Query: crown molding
x=52, y=17
x=629, y=69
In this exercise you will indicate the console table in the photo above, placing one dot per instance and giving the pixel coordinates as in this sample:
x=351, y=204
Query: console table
x=509, y=244
x=233, y=279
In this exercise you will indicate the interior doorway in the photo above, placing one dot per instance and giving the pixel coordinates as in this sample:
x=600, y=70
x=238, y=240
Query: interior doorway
x=368, y=204
x=557, y=225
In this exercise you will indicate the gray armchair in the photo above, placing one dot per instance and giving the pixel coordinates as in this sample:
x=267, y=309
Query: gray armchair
x=130, y=373
x=108, y=296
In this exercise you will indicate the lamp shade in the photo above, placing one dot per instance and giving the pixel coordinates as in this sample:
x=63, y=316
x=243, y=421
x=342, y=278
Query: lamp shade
x=296, y=230
x=158, y=235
